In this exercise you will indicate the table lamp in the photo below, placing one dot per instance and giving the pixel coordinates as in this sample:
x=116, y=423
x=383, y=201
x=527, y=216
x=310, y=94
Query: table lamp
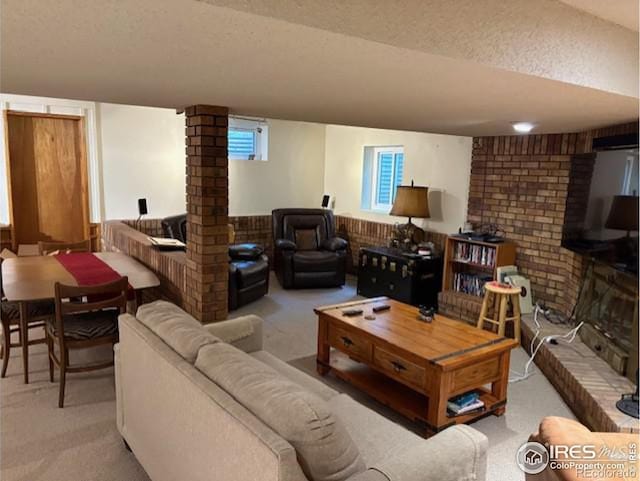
x=623, y=214
x=411, y=201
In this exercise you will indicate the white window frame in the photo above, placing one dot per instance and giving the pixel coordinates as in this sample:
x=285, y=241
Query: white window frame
x=377, y=151
x=261, y=132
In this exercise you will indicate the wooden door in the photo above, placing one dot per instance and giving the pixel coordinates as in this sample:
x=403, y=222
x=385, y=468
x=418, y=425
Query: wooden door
x=48, y=178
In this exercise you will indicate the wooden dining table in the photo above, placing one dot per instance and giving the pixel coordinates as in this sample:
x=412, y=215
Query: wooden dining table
x=28, y=279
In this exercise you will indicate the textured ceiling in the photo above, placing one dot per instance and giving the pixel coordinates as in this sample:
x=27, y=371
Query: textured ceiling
x=621, y=12
x=173, y=53
x=545, y=38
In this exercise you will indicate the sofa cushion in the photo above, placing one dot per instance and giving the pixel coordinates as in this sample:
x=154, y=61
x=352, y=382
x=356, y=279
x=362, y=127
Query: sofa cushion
x=325, y=450
x=315, y=261
x=251, y=272
x=157, y=312
x=302, y=379
x=306, y=239
x=182, y=332
x=233, y=330
x=377, y=437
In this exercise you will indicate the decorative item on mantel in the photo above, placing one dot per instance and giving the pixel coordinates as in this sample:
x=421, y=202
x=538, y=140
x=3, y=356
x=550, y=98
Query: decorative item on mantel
x=411, y=201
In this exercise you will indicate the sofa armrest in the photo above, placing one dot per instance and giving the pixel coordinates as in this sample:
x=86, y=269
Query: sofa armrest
x=334, y=244
x=459, y=453
x=285, y=245
x=244, y=332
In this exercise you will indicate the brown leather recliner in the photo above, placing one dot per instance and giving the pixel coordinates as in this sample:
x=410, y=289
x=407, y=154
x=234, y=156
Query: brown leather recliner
x=307, y=252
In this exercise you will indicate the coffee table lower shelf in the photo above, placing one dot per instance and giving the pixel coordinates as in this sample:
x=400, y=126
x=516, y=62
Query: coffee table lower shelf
x=397, y=396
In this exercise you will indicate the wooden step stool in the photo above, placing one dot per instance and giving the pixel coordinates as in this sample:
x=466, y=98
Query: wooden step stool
x=499, y=295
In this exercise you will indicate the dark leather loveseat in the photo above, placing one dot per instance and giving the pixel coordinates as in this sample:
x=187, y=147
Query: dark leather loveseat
x=248, y=264
x=307, y=252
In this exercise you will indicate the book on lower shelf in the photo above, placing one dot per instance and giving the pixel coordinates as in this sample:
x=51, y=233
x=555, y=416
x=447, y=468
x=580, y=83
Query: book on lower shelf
x=465, y=404
x=470, y=283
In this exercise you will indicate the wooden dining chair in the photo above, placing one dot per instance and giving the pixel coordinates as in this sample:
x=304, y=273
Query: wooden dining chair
x=46, y=248
x=38, y=313
x=86, y=316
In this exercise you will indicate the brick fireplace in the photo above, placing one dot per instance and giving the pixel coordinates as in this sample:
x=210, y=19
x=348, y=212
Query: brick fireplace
x=533, y=188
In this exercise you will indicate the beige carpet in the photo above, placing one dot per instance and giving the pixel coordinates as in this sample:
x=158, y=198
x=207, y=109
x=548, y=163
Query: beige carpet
x=529, y=402
x=39, y=442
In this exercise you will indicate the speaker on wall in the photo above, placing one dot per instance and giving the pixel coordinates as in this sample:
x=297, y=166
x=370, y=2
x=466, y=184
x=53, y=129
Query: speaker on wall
x=326, y=201
x=142, y=207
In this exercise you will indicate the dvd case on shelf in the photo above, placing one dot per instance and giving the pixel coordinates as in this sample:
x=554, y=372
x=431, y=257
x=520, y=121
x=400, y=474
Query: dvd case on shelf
x=475, y=254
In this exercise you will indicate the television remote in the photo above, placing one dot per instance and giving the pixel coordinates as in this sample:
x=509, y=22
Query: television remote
x=352, y=312
x=380, y=308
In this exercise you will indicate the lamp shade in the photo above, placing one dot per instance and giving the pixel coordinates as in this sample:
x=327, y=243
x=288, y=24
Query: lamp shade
x=624, y=213
x=411, y=201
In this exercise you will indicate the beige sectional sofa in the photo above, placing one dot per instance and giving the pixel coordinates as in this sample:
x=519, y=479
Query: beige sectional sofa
x=207, y=403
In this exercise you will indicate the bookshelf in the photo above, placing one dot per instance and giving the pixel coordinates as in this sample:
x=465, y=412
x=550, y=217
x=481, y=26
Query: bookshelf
x=468, y=264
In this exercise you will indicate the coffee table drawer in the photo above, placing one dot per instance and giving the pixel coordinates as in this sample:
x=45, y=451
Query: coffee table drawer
x=399, y=368
x=476, y=375
x=350, y=343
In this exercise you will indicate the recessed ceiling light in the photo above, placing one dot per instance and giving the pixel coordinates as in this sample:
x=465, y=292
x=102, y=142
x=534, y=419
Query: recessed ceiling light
x=523, y=127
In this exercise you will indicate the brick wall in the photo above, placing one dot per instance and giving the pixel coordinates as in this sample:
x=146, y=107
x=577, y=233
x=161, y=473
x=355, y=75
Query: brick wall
x=151, y=227
x=456, y=305
x=207, y=212
x=520, y=184
x=170, y=266
x=258, y=229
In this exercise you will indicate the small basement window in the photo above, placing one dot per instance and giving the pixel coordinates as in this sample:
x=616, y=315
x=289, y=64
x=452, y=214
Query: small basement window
x=382, y=174
x=248, y=139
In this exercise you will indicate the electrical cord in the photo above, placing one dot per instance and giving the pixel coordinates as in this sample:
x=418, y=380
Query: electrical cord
x=570, y=335
x=567, y=338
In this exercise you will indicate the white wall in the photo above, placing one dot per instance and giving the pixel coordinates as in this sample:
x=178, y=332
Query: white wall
x=441, y=162
x=139, y=152
x=293, y=175
x=143, y=155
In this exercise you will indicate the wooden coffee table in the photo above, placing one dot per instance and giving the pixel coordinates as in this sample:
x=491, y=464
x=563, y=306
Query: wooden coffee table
x=412, y=366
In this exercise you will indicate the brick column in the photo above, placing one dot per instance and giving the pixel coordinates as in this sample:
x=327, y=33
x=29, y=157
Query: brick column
x=207, y=212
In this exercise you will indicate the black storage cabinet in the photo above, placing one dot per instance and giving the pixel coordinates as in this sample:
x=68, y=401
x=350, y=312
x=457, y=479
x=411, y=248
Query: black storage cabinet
x=385, y=271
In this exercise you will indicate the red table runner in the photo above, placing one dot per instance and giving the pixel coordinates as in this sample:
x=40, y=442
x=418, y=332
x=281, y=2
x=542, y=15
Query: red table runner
x=89, y=270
